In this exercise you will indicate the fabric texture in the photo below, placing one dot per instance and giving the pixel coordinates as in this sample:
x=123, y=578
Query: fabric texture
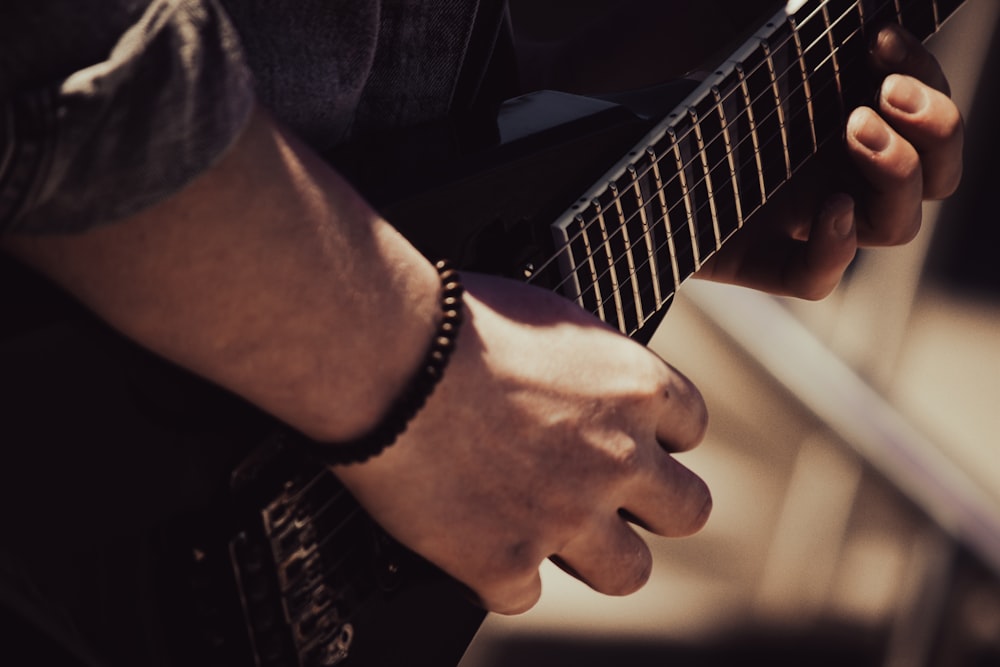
x=135, y=98
x=100, y=142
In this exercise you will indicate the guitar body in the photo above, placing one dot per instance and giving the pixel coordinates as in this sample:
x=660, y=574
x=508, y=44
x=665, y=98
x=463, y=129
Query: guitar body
x=153, y=519
x=134, y=496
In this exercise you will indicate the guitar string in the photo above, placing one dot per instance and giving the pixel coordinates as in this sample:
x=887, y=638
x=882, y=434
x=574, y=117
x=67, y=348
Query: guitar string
x=327, y=507
x=664, y=218
x=630, y=274
x=721, y=167
x=796, y=67
x=685, y=255
x=823, y=37
x=672, y=181
x=321, y=475
x=322, y=540
x=727, y=176
x=778, y=75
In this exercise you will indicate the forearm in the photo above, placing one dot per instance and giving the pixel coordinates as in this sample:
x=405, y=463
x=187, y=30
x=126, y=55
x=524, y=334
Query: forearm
x=268, y=275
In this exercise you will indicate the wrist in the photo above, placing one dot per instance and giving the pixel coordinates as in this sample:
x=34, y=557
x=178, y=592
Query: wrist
x=411, y=396
x=374, y=351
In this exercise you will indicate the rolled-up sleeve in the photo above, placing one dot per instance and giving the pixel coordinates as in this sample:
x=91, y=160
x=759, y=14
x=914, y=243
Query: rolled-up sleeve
x=120, y=134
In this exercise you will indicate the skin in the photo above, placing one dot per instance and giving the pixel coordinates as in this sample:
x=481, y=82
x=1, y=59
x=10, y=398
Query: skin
x=906, y=151
x=549, y=434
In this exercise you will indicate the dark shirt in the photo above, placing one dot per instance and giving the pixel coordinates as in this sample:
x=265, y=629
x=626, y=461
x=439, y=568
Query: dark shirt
x=129, y=100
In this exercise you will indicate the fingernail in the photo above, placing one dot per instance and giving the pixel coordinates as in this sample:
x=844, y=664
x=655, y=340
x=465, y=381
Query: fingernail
x=903, y=93
x=840, y=207
x=869, y=129
x=891, y=47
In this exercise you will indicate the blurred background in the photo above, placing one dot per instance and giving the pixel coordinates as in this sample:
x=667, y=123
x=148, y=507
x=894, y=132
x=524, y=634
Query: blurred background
x=853, y=453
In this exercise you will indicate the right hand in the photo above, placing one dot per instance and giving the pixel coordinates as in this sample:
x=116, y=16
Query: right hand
x=548, y=434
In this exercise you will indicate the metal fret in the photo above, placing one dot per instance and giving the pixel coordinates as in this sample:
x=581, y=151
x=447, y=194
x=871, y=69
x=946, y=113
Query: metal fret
x=647, y=231
x=779, y=108
x=689, y=207
x=601, y=237
x=707, y=175
x=806, y=86
x=754, y=138
x=612, y=269
x=588, y=257
x=629, y=257
x=833, y=46
x=665, y=210
x=730, y=156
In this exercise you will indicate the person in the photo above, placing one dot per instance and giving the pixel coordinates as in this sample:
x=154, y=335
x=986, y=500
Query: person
x=176, y=189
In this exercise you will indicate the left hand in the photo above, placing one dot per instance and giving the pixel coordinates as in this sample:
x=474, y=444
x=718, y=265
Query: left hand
x=907, y=151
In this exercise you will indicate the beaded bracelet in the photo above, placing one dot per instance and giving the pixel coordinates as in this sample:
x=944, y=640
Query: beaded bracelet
x=415, y=394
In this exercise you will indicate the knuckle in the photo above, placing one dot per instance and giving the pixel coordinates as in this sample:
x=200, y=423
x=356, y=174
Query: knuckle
x=698, y=511
x=511, y=583
x=627, y=457
x=945, y=186
x=510, y=601
x=950, y=125
x=517, y=561
x=904, y=166
x=817, y=287
x=697, y=410
x=946, y=170
x=701, y=517
x=624, y=572
x=691, y=505
x=637, y=570
x=903, y=233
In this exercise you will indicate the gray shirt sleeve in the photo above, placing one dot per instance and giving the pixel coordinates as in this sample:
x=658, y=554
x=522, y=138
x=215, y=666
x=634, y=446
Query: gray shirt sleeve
x=107, y=139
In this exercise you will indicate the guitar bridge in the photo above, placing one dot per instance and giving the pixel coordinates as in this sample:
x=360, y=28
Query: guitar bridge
x=298, y=585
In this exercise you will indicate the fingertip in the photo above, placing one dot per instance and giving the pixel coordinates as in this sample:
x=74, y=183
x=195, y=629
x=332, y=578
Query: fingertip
x=891, y=47
x=831, y=247
x=837, y=215
x=869, y=130
x=895, y=49
x=904, y=94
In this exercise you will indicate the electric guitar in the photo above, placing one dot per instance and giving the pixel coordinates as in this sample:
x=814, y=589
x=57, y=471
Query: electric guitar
x=230, y=547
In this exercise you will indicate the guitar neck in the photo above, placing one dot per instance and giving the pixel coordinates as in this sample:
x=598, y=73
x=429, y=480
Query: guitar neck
x=711, y=164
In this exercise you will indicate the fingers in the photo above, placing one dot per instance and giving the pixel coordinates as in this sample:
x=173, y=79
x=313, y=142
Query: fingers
x=646, y=485
x=816, y=266
x=896, y=50
x=932, y=124
x=914, y=152
x=670, y=500
x=776, y=261
x=610, y=557
x=911, y=150
x=893, y=171
x=514, y=593
x=683, y=416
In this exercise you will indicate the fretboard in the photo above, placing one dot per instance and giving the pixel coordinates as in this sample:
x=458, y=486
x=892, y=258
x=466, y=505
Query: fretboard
x=708, y=167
